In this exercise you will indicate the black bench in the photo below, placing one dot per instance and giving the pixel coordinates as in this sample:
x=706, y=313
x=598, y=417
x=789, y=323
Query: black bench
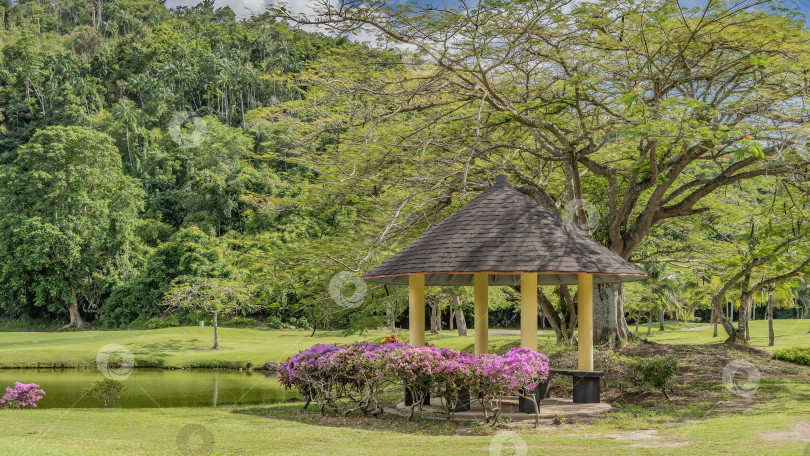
x=586, y=384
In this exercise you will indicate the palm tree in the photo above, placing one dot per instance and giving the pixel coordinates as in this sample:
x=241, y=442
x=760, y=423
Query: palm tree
x=803, y=299
x=81, y=88
x=662, y=285
x=126, y=111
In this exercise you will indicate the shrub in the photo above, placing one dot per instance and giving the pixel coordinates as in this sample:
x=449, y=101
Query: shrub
x=239, y=321
x=391, y=338
x=21, y=396
x=217, y=364
x=149, y=362
x=303, y=323
x=658, y=371
x=107, y=391
x=341, y=378
x=798, y=355
x=274, y=322
x=350, y=377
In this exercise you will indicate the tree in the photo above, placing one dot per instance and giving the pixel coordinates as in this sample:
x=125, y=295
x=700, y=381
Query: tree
x=66, y=214
x=661, y=285
x=215, y=296
x=107, y=391
x=655, y=105
x=773, y=250
x=125, y=111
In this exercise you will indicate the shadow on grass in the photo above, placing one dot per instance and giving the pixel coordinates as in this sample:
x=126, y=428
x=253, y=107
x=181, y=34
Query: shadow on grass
x=171, y=345
x=386, y=422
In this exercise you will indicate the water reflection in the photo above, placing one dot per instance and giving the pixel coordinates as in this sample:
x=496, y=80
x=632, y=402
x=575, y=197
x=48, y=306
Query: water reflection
x=153, y=387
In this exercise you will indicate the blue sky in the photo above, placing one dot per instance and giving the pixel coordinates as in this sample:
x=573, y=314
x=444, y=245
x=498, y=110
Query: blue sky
x=241, y=7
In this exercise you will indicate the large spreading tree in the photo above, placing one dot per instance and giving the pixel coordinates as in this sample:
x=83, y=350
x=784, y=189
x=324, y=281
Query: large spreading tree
x=647, y=109
x=66, y=214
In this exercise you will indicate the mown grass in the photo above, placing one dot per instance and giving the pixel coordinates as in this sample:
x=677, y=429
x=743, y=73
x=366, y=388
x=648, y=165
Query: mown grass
x=189, y=346
x=788, y=333
x=284, y=429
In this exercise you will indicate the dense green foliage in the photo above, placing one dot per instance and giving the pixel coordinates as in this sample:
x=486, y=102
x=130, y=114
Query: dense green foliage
x=658, y=371
x=798, y=355
x=131, y=168
x=107, y=391
x=151, y=155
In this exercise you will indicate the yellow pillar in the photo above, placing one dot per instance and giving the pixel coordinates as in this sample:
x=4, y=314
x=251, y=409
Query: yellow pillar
x=585, y=311
x=416, y=309
x=528, y=311
x=481, y=297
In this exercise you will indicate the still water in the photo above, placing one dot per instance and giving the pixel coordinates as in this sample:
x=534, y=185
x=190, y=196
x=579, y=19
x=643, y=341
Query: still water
x=153, y=388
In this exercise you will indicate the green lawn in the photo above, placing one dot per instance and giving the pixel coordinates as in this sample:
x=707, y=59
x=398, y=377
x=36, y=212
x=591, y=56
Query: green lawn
x=249, y=432
x=177, y=347
x=787, y=333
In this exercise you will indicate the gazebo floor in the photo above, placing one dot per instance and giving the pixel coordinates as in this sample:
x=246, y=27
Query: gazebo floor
x=549, y=408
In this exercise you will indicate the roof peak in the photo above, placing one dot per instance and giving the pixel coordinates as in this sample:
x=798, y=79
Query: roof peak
x=503, y=232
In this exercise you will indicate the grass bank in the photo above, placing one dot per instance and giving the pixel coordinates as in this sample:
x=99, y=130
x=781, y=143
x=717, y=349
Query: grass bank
x=773, y=428
x=788, y=333
x=189, y=346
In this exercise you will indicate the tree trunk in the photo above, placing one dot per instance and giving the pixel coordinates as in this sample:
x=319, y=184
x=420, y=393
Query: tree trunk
x=661, y=320
x=605, y=318
x=555, y=320
x=131, y=166
x=73, y=309
x=770, y=321
x=435, y=318
x=452, y=315
x=216, y=332
x=638, y=318
x=713, y=320
x=739, y=336
x=461, y=323
x=649, y=323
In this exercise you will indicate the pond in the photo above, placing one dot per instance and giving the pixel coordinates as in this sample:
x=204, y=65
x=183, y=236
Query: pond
x=153, y=388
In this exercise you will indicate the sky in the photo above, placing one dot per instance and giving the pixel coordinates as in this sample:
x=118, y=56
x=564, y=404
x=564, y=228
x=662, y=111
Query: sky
x=243, y=7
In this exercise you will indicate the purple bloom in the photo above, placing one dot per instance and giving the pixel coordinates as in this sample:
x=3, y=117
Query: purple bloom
x=22, y=395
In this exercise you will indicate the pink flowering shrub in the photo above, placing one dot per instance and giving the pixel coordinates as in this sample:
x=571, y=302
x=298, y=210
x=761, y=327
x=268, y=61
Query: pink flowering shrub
x=351, y=377
x=21, y=396
x=341, y=378
x=515, y=373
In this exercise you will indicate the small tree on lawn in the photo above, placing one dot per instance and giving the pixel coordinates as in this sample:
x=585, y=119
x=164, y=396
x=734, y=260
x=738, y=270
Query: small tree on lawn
x=106, y=391
x=212, y=295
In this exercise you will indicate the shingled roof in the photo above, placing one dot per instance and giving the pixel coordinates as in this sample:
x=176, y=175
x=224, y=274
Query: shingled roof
x=503, y=233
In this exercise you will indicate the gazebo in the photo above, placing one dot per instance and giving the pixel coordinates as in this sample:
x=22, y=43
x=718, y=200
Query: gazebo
x=503, y=238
